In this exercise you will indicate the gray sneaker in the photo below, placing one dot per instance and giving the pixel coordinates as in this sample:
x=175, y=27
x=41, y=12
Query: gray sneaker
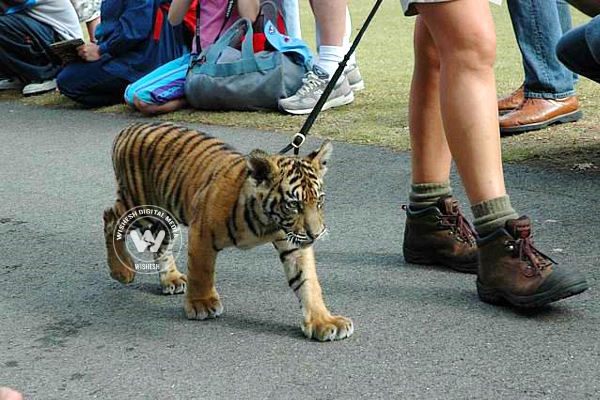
x=313, y=85
x=39, y=88
x=11, y=84
x=354, y=78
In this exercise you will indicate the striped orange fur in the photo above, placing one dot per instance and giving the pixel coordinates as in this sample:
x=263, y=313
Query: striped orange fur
x=226, y=199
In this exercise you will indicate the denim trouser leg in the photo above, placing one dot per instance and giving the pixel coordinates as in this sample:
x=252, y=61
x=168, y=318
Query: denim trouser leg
x=291, y=14
x=564, y=15
x=89, y=84
x=537, y=26
x=576, y=49
x=24, y=48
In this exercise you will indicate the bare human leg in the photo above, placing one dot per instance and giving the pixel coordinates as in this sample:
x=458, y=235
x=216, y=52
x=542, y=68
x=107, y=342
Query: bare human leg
x=466, y=45
x=510, y=268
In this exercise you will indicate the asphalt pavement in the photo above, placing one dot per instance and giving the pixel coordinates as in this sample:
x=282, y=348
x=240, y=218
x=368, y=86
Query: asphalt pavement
x=67, y=331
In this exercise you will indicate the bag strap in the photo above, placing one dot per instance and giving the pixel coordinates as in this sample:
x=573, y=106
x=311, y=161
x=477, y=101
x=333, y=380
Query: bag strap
x=228, y=12
x=197, y=48
x=232, y=35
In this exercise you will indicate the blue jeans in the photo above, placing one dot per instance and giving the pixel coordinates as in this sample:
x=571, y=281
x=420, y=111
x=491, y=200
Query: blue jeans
x=579, y=49
x=291, y=14
x=538, y=26
x=89, y=84
x=25, y=49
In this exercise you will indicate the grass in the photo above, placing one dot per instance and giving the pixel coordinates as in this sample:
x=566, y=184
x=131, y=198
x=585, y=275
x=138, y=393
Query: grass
x=378, y=116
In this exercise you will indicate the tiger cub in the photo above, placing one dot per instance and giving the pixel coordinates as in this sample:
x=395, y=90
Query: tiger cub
x=226, y=199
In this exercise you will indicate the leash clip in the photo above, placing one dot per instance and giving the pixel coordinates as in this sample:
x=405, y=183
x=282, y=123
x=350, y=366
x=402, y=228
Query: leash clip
x=296, y=144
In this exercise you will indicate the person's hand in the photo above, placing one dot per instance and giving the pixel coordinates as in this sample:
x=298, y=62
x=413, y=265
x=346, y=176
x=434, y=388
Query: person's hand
x=89, y=51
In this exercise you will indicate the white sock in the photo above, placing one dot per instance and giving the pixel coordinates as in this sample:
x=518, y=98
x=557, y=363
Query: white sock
x=329, y=58
x=346, y=42
x=345, y=47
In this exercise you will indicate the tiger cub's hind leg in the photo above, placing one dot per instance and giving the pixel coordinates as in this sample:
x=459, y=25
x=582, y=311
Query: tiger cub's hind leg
x=119, y=262
x=171, y=280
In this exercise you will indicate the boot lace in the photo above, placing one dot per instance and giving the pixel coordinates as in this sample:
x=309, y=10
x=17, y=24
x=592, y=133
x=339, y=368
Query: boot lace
x=459, y=225
x=526, y=251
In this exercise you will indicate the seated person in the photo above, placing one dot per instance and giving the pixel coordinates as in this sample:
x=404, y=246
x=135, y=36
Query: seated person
x=27, y=29
x=162, y=90
x=88, y=12
x=134, y=37
x=579, y=48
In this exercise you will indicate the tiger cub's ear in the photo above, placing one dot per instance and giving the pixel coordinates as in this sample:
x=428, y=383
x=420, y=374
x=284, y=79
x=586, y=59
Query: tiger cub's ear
x=260, y=166
x=320, y=158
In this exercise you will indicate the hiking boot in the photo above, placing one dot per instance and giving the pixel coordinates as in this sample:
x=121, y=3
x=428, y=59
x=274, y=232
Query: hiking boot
x=11, y=84
x=313, y=85
x=39, y=87
x=355, y=79
x=512, y=270
x=440, y=235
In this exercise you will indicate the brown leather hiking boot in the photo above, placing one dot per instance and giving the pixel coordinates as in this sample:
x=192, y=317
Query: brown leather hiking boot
x=512, y=270
x=440, y=235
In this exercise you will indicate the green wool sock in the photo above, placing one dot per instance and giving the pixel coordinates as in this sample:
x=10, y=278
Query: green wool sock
x=423, y=195
x=492, y=214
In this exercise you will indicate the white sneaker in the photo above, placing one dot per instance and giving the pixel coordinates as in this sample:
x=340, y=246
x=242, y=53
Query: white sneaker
x=11, y=84
x=39, y=88
x=313, y=86
x=354, y=78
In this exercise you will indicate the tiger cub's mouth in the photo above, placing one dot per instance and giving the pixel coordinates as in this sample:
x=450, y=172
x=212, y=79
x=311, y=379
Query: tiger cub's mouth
x=302, y=239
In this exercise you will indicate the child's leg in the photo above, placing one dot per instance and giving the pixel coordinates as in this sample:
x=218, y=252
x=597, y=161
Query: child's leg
x=330, y=18
x=291, y=14
x=161, y=90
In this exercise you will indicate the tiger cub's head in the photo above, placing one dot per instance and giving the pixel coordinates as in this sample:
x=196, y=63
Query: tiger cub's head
x=291, y=193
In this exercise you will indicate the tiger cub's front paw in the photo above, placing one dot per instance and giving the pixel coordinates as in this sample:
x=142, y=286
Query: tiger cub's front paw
x=328, y=328
x=203, y=308
x=173, y=282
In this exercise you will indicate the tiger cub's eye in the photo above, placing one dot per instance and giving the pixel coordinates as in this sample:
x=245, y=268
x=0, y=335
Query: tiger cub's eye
x=292, y=205
x=321, y=201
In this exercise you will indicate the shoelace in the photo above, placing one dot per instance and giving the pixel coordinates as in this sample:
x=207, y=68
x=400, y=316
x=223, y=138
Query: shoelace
x=464, y=230
x=461, y=225
x=525, y=250
x=309, y=82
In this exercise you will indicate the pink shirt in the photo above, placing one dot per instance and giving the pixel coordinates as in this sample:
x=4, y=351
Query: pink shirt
x=212, y=16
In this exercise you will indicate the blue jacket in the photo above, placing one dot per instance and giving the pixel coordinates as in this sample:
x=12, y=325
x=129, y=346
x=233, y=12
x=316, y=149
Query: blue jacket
x=126, y=38
x=592, y=35
x=14, y=6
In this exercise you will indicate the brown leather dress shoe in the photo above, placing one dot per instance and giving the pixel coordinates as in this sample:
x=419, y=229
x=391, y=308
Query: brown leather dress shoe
x=511, y=102
x=539, y=113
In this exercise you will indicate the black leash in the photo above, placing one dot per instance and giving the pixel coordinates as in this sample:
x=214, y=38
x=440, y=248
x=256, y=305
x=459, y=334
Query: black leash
x=299, y=138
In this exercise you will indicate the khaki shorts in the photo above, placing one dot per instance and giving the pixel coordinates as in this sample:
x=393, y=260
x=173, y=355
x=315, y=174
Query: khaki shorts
x=408, y=5
x=409, y=9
